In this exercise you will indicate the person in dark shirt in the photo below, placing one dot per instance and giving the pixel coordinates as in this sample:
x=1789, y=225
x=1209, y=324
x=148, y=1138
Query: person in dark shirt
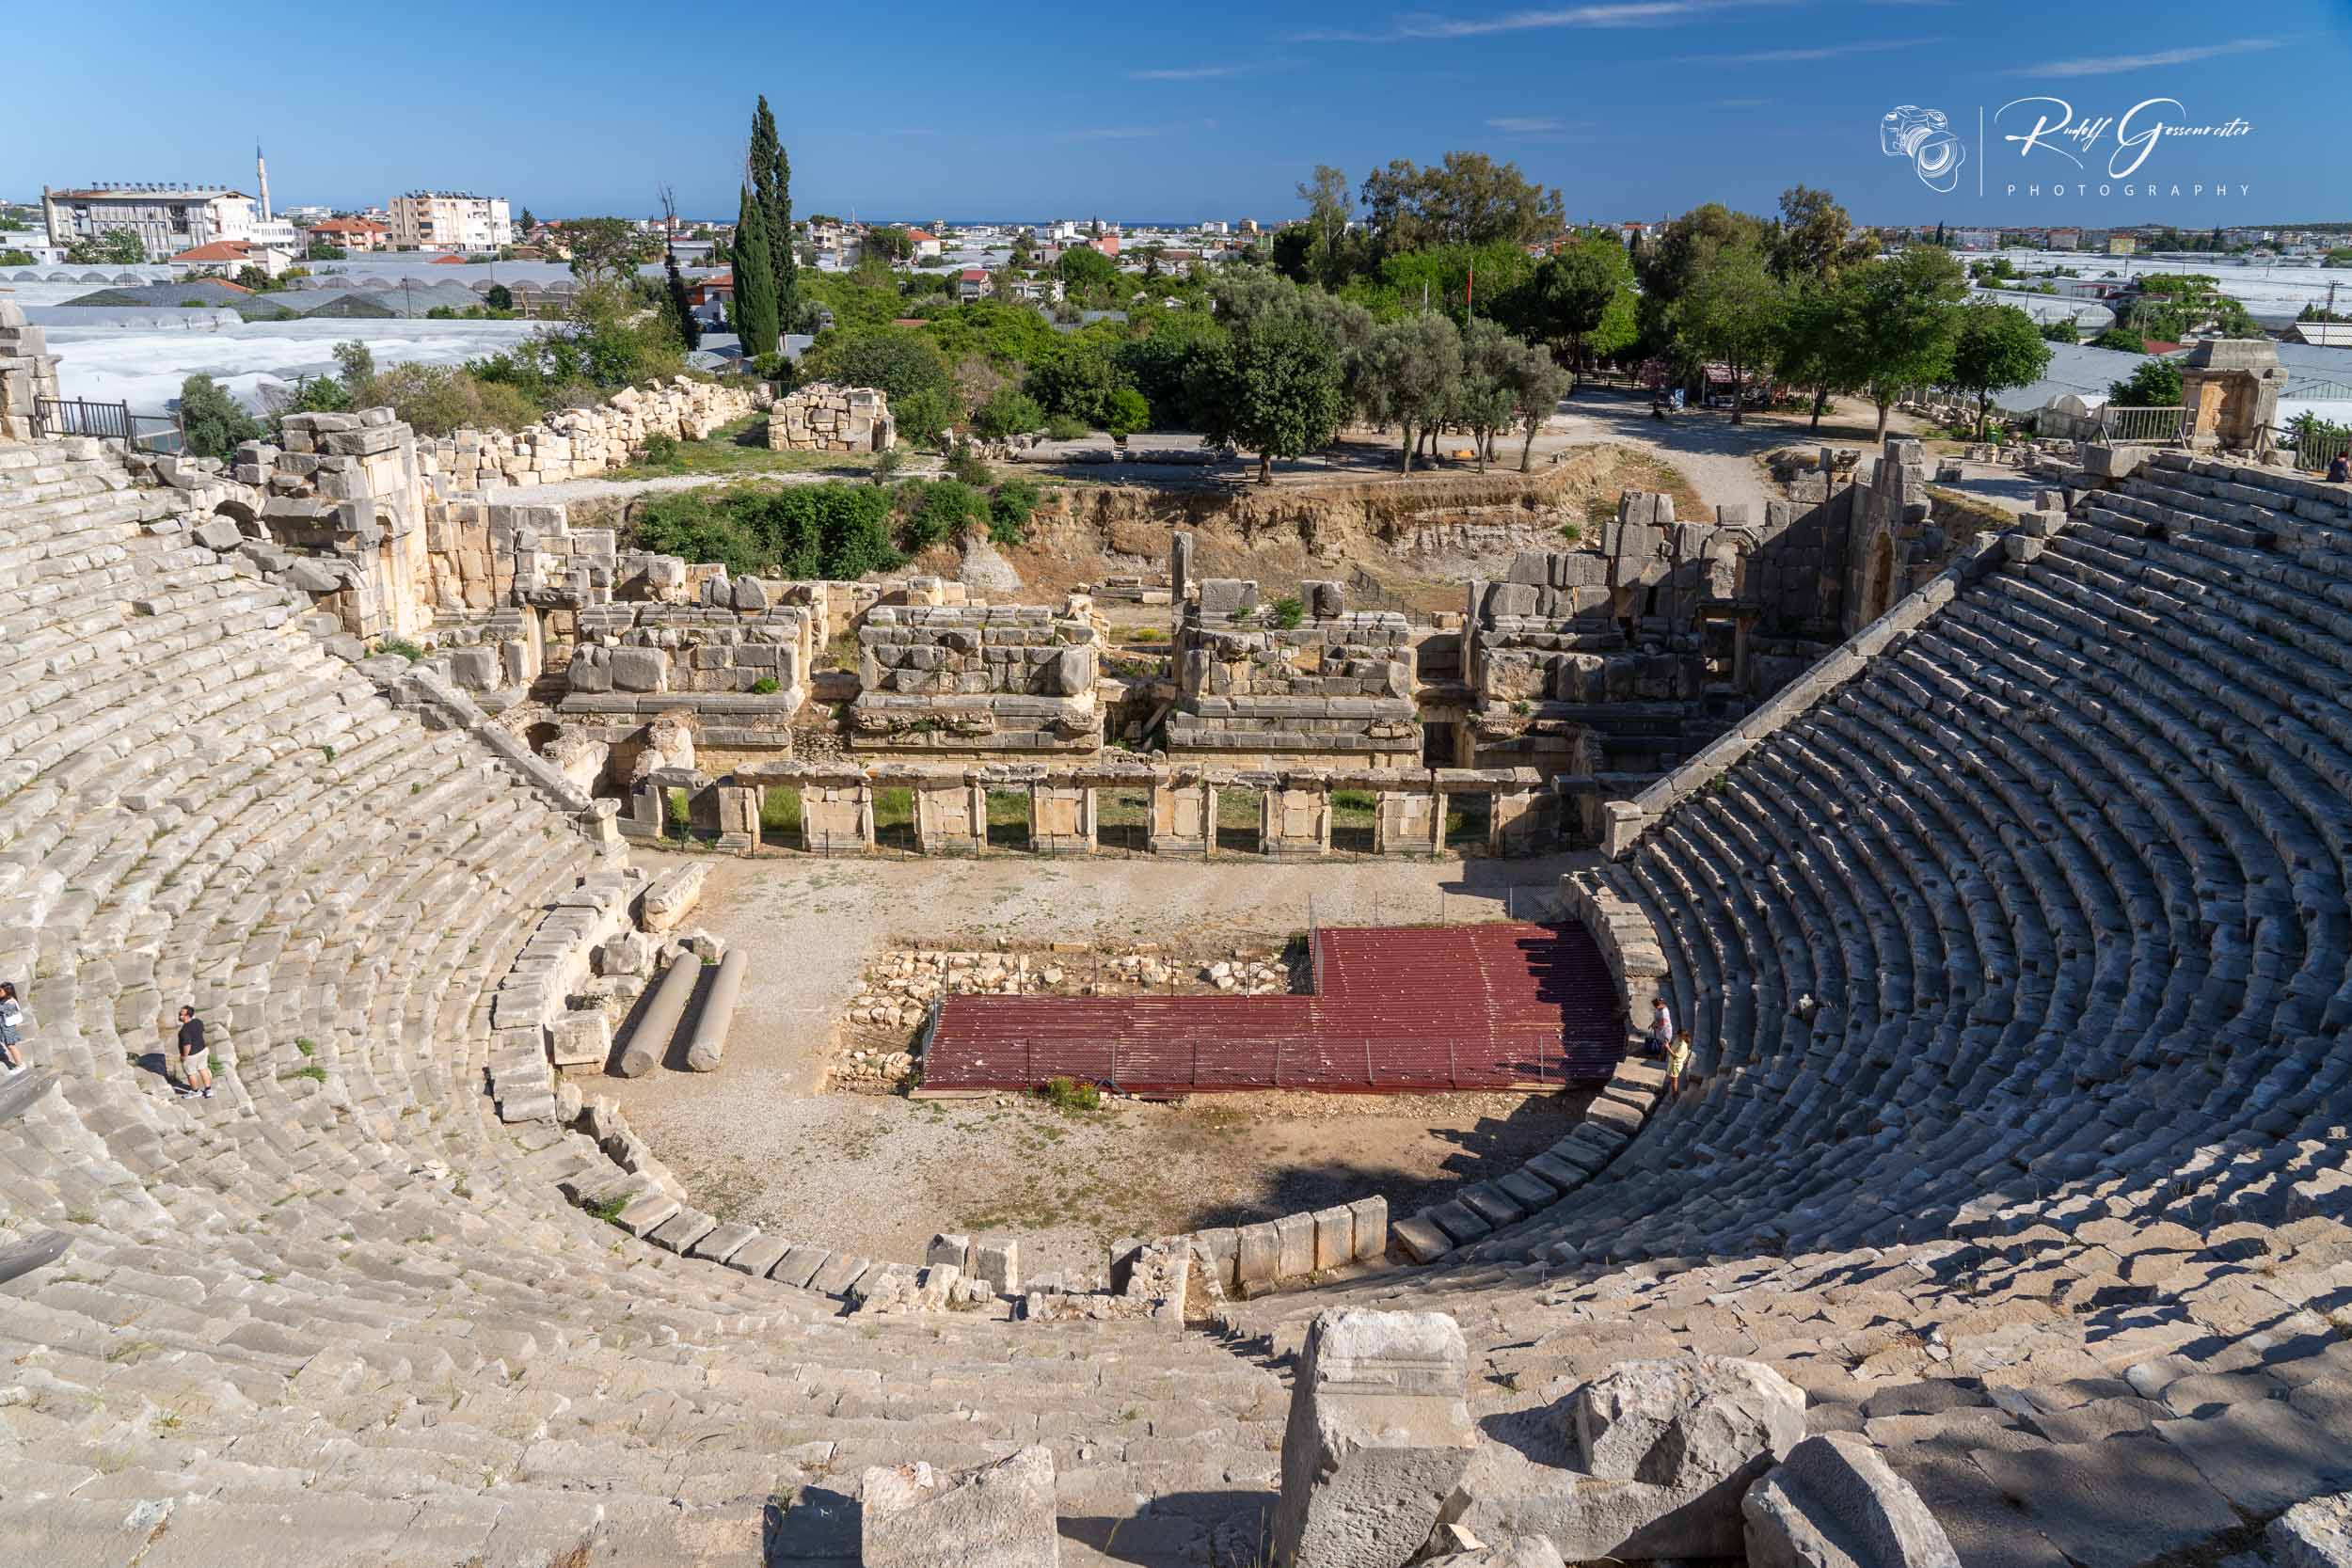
x=195, y=1063
x=2340, y=471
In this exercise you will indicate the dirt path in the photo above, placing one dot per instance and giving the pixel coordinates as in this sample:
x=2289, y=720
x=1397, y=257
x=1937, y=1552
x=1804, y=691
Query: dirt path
x=759, y=1142
x=604, y=489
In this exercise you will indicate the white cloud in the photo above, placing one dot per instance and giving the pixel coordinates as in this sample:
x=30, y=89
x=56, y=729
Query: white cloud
x=1798, y=57
x=1621, y=13
x=1525, y=124
x=2113, y=65
x=1203, y=73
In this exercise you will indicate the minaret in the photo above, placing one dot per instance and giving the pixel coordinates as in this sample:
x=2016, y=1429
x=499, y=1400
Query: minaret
x=260, y=172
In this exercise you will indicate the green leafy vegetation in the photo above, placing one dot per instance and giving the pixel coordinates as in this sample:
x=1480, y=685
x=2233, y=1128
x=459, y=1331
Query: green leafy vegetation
x=1068, y=1094
x=831, y=530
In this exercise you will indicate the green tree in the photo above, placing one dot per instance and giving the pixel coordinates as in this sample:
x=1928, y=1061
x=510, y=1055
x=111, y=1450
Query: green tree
x=1466, y=199
x=526, y=223
x=1901, y=317
x=1581, y=299
x=1997, y=347
x=1668, y=260
x=1331, y=205
x=215, y=422
x=2063, y=330
x=1008, y=411
x=2123, y=339
x=1273, y=390
x=115, y=247
x=1734, y=310
x=2154, y=384
x=771, y=184
x=755, y=310
x=1084, y=269
x=604, y=247
x=1486, y=399
x=1414, y=371
x=1816, y=238
x=1814, y=350
x=1538, y=382
x=499, y=297
x=324, y=251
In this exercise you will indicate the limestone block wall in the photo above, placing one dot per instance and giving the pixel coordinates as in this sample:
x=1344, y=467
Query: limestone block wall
x=635, y=661
x=978, y=677
x=826, y=417
x=27, y=370
x=1894, y=543
x=1253, y=692
x=343, y=497
x=580, y=443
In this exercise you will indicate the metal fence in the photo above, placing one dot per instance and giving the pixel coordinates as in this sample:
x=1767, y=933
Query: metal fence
x=107, y=421
x=2314, y=446
x=2164, y=427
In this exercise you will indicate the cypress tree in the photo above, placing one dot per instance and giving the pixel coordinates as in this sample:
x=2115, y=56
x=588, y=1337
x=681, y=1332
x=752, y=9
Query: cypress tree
x=755, y=282
x=772, y=182
x=689, y=329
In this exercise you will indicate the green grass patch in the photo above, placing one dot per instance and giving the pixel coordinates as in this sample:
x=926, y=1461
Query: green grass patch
x=780, y=810
x=738, y=448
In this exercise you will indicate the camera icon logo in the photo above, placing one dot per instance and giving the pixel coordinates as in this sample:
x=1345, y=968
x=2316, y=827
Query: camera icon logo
x=1924, y=136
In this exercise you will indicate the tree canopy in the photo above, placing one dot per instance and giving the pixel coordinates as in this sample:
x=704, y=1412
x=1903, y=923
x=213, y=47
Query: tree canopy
x=1468, y=198
x=1996, y=347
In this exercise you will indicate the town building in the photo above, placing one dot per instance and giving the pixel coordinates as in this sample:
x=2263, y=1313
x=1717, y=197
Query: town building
x=228, y=258
x=925, y=243
x=357, y=235
x=449, y=220
x=168, y=219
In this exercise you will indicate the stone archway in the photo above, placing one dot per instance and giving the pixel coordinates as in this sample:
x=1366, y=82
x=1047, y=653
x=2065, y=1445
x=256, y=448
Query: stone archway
x=1878, y=579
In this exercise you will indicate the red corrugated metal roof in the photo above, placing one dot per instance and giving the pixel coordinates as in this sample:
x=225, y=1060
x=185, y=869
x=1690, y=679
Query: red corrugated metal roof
x=1398, y=1008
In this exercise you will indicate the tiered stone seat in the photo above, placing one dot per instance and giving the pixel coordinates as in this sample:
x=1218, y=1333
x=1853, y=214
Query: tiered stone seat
x=341, y=1306
x=2019, y=966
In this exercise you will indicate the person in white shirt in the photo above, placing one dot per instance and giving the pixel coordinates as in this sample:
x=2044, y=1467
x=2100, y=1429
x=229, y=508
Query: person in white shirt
x=1661, y=1026
x=12, y=1028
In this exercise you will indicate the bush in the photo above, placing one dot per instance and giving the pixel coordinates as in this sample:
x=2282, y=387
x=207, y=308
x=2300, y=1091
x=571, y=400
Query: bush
x=215, y=422
x=1010, y=510
x=966, y=464
x=839, y=530
x=660, y=450
x=437, y=399
x=939, y=511
x=1061, y=427
x=1068, y=1094
x=1008, y=411
x=1286, y=612
x=902, y=363
x=765, y=687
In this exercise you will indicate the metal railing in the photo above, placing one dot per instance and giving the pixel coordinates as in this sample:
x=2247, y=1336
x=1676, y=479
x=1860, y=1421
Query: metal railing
x=107, y=421
x=2162, y=427
x=2314, y=450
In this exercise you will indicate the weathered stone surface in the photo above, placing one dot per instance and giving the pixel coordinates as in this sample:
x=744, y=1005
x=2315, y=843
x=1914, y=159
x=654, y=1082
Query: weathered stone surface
x=1526, y=1551
x=1649, y=1460
x=1833, y=1503
x=998, y=1515
x=2313, y=1534
x=673, y=896
x=1379, y=1435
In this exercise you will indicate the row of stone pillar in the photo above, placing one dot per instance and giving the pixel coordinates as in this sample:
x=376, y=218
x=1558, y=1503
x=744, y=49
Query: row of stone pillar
x=951, y=817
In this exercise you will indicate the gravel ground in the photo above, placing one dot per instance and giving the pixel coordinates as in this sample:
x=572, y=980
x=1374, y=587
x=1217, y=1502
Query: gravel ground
x=761, y=1142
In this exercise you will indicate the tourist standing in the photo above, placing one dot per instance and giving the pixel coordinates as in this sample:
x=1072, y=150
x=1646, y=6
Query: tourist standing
x=1661, y=1026
x=195, y=1060
x=12, y=1028
x=1678, y=1066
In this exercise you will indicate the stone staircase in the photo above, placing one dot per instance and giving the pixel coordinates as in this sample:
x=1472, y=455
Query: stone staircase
x=340, y=1308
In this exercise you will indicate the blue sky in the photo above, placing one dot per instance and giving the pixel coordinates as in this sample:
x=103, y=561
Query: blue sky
x=1634, y=108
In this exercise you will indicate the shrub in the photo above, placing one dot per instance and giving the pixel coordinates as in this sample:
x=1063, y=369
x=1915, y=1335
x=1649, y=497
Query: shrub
x=1286, y=612
x=1061, y=427
x=966, y=464
x=765, y=687
x=660, y=450
x=1068, y=1094
x=1010, y=510
x=837, y=530
x=1008, y=411
x=902, y=363
x=939, y=511
x=402, y=647
x=215, y=422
